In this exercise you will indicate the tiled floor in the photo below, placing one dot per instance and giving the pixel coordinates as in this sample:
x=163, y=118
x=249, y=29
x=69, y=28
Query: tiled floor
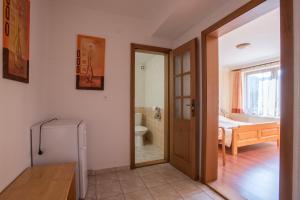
x=161, y=182
x=148, y=152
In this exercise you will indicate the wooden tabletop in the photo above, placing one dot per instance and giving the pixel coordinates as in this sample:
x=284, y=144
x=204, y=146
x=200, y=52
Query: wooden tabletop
x=46, y=182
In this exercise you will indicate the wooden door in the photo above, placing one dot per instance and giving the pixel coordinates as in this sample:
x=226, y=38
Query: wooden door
x=183, y=110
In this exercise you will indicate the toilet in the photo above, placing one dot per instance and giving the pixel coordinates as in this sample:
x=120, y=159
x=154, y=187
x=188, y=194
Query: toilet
x=140, y=130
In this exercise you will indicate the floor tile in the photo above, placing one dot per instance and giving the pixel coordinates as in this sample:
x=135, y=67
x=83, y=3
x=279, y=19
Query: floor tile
x=173, y=175
x=106, y=176
x=139, y=195
x=132, y=185
x=214, y=195
x=91, y=180
x=159, y=182
x=164, y=192
x=144, y=171
x=118, y=197
x=108, y=188
x=197, y=196
x=127, y=174
x=90, y=198
x=152, y=180
x=91, y=192
x=185, y=187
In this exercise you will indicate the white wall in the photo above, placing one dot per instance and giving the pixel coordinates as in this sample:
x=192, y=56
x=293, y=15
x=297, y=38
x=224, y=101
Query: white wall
x=105, y=112
x=154, y=82
x=149, y=83
x=139, y=87
x=20, y=104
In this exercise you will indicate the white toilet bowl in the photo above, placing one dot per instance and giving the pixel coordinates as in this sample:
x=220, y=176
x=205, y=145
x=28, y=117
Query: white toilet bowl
x=140, y=131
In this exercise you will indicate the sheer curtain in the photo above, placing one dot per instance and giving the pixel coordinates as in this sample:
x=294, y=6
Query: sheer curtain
x=262, y=92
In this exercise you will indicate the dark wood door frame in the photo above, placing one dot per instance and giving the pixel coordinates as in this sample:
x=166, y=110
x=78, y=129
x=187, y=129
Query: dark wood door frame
x=209, y=36
x=160, y=51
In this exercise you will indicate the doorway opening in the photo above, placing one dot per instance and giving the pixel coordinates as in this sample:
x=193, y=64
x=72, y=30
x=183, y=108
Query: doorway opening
x=150, y=105
x=164, y=89
x=249, y=108
x=260, y=81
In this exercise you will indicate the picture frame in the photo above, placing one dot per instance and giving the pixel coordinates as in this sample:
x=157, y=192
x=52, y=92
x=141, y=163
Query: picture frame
x=16, y=30
x=90, y=63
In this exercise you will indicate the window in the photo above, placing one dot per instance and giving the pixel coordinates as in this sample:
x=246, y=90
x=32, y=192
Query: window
x=262, y=92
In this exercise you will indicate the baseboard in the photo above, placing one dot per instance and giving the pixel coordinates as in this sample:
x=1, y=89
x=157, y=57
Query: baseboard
x=107, y=170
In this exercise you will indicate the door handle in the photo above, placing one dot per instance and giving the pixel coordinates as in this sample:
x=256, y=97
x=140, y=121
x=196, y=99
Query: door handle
x=192, y=105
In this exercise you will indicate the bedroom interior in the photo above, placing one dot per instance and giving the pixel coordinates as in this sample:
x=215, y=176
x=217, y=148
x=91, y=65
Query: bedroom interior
x=249, y=108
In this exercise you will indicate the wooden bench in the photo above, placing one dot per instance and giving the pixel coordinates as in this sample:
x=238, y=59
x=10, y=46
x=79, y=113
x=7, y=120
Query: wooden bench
x=47, y=182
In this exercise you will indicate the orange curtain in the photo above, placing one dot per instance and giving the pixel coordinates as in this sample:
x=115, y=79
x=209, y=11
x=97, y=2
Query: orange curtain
x=237, y=92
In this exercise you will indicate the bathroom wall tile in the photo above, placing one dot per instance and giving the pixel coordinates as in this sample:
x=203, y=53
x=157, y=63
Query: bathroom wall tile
x=156, y=127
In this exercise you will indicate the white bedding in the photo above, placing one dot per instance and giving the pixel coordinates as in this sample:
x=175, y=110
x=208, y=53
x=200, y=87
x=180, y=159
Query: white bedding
x=228, y=124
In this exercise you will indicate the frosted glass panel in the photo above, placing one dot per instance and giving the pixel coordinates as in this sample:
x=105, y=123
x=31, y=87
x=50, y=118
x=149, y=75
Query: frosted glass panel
x=177, y=65
x=178, y=86
x=186, y=85
x=178, y=108
x=187, y=108
x=186, y=62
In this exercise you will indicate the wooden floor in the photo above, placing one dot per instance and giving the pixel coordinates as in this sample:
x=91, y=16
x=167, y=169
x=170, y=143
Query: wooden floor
x=254, y=173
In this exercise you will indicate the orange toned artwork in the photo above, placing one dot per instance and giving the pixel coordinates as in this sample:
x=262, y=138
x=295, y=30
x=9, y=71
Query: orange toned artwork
x=16, y=23
x=90, y=63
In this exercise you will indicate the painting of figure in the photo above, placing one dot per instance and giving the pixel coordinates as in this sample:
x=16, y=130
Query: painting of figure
x=16, y=23
x=90, y=63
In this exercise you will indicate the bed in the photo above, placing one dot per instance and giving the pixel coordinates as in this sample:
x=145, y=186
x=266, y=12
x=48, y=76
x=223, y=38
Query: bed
x=237, y=134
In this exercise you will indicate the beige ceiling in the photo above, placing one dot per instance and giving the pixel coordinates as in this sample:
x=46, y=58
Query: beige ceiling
x=262, y=33
x=170, y=18
x=185, y=15
x=143, y=9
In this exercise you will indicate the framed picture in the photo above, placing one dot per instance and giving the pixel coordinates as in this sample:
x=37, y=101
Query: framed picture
x=90, y=63
x=16, y=24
